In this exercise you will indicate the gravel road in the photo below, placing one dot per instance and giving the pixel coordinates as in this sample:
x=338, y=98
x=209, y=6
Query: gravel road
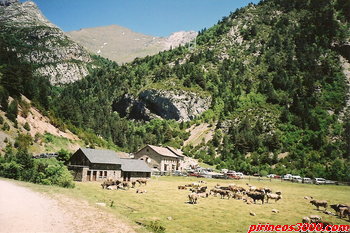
x=23, y=210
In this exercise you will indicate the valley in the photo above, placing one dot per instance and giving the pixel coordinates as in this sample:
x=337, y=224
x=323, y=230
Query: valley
x=263, y=91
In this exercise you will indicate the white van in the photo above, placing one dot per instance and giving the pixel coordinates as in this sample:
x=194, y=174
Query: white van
x=297, y=179
x=319, y=181
x=307, y=180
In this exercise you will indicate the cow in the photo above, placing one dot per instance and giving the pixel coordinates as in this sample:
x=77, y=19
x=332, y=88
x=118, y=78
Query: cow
x=256, y=196
x=202, y=189
x=107, y=183
x=215, y=191
x=125, y=184
x=318, y=203
x=142, y=181
x=133, y=183
x=274, y=196
x=141, y=191
x=193, y=197
x=344, y=211
x=225, y=193
x=337, y=207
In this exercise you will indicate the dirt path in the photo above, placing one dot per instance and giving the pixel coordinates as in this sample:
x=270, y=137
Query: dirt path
x=23, y=210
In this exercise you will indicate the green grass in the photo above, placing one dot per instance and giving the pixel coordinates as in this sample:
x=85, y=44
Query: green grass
x=210, y=214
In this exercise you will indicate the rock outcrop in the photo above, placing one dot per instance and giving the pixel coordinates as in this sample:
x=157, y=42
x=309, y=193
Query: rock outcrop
x=167, y=104
x=7, y=2
x=41, y=43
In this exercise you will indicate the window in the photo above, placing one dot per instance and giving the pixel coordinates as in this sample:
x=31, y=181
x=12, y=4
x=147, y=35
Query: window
x=101, y=174
x=105, y=174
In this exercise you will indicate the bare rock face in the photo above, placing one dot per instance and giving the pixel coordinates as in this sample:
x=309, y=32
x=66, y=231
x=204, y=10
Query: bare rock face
x=7, y=2
x=167, y=104
x=42, y=43
x=179, y=38
x=123, y=45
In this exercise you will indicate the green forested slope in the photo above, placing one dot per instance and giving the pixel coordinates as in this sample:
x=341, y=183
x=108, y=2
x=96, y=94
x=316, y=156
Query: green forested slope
x=275, y=79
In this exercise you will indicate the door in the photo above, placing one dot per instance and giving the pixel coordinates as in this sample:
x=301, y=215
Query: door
x=94, y=175
x=88, y=177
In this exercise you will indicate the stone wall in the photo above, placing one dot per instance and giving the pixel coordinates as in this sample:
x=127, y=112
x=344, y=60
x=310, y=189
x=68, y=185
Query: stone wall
x=157, y=161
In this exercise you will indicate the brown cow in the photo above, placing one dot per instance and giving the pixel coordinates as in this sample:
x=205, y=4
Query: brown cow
x=318, y=203
x=142, y=181
x=107, y=183
x=224, y=193
x=125, y=184
x=133, y=183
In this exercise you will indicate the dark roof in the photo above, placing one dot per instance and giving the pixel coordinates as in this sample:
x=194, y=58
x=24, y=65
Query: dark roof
x=101, y=156
x=178, y=152
x=134, y=165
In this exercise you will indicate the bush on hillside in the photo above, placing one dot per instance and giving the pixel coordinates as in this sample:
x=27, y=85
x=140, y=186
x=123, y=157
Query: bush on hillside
x=21, y=166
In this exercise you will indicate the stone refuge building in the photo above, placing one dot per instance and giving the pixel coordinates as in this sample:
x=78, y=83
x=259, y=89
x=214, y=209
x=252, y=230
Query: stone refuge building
x=98, y=165
x=162, y=159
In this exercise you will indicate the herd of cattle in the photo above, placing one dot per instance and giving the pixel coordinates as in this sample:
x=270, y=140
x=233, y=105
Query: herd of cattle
x=111, y=184
x=341, y=210
x=249, y=195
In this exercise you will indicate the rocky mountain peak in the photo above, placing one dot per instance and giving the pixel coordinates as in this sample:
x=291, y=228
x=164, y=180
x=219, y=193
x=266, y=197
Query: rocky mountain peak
x=7, y=2
x=179, y=38
x=42, y=43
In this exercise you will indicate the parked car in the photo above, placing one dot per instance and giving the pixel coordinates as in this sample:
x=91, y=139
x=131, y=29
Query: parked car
x=307, y=180
x=297, y=179
x=319, y=181
x=240, y=174
x=287, y=177
x=221, y=176
x=331, y=182
x=232, y=176
x=271, y=176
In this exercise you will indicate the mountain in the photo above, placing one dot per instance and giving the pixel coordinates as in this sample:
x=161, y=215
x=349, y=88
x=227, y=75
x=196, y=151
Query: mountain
x=277, y=87
x=122, y=45
x=265, y=90
x=39, y=42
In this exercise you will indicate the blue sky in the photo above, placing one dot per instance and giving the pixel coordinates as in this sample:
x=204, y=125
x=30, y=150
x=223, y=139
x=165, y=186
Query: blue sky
x=151, y=17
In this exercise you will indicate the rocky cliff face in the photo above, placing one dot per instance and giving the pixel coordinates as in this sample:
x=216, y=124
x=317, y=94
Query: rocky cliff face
x=178, y=38
x=167, y=104
x=7, y=2
x=38, y=41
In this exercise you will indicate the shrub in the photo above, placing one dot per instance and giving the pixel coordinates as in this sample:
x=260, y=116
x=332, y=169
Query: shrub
x=53, y=172
x=44, y=171
x=12, y=111
x=11, y=170
x=26, y=126
x=6, y=127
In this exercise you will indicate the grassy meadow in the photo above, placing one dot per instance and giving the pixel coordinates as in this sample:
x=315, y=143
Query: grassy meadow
x=212, y=214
